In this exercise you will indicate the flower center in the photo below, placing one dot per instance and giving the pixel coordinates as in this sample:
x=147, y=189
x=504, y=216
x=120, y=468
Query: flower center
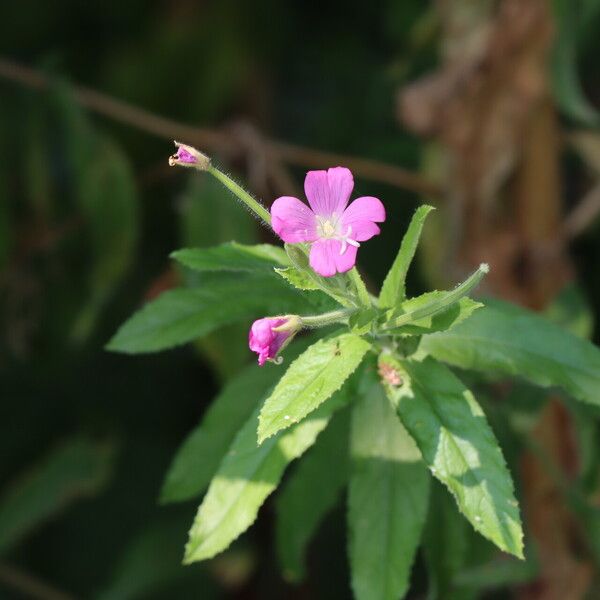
x=330, y=229
x=327, y=228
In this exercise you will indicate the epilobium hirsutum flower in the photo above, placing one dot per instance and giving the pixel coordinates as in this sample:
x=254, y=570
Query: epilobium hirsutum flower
x=332, y=227
x=269, y=335
x=188, y=156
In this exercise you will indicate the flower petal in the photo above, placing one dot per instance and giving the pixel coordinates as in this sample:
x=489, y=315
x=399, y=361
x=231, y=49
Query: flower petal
x=322, y=258
x=341, y=184
x=316, y=188
x=361, y=216
x=293, y=221
x=344, y=262
x=328, y=192
x=364, y=230
x=327, y=259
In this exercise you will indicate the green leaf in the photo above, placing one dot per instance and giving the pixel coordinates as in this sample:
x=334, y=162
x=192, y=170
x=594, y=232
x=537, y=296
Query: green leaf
x=233, y=257
x=458, y=445
x=393, y=290
x=362, y=321
x=182, y=315
x=434, y=303
x=387, y=503
x=77, y=468
x=360, y=289
x=311, y=492
x=571, y=310
x=445, y=529
x=109, y=203
x=303, y=282
x=140, y=571
x=498, y=574
x=299, y=279
x=199, y=456
x=440, y=321
x=505, y=339
x=310, y=380
x=105, y=194
x=246, y=477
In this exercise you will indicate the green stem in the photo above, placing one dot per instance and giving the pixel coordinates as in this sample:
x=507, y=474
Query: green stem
x=254, y=205
x=328, y=318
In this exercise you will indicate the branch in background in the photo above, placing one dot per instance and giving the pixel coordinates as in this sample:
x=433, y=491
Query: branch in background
x=224, y=141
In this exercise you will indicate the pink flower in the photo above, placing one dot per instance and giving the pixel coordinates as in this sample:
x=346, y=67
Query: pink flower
x=333, y=228
x=269, y=335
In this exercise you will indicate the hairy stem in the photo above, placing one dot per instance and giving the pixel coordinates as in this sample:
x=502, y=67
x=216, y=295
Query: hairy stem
x=254, y=205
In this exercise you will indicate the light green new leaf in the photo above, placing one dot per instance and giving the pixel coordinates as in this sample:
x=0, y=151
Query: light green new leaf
x=435, y=303
x=77, y=468
x=299, y=279
x=393, y=290
x=362, y=321
x=387, y=502
x=458, y=445
x=232, y=256
x=360, y=288
x=310, y=380
x=182, y=315
x=508, y=340
x=311, y=492
x=246, y=477
x=440, y=321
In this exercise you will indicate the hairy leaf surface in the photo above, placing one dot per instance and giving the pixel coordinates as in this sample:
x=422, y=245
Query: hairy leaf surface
x=310, y=380
x=458, y=445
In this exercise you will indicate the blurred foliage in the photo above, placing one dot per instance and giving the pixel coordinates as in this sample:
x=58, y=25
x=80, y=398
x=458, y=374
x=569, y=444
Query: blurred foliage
x=89, y=215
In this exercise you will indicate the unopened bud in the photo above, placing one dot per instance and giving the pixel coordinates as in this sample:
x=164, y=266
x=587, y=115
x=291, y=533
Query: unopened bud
x=270, y=335
x=188, y=156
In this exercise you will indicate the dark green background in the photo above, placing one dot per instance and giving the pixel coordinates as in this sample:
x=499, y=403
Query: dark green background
x=321, y=74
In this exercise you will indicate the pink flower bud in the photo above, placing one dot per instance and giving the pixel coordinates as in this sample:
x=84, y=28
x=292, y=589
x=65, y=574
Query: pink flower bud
x=188, y=156
x=269, y=335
